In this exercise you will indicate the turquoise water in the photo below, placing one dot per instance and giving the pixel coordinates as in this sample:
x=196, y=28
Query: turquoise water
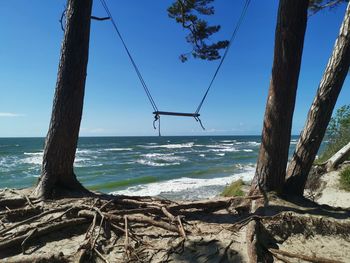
x=174, y=167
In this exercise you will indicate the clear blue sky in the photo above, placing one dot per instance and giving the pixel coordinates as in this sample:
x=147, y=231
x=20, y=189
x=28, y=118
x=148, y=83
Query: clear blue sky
x=115, y=103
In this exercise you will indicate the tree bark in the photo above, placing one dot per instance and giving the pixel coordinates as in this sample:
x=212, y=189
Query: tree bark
x=289, y=40
x=57, y=173
x=320, y=112
x=338, y=158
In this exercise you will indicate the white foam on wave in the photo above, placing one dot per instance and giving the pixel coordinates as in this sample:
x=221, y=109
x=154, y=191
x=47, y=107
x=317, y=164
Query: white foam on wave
x=90, y=152
x=220, y=154
x=293, y=141
x=170, y=146
x=118, y=149
x=34, y=154
x=247, y=150
x=224, y=150
x=185, y=184
x=35, y=158
x=153, y=163
x=252, y=143
x=161, y=159
x=8, y=163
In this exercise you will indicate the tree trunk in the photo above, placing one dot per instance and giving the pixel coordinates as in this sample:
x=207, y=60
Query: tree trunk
x=57, y=173
x=289, y=40
x=320, y=112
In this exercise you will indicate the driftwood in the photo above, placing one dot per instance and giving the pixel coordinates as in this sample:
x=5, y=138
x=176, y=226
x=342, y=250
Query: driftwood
x=338, y=158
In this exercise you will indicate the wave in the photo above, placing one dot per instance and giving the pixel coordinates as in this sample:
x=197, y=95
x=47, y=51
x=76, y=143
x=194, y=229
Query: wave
x=170, y=146
x=185, y=184
x=252, y=143
x=164, y=157
x=224, y=150
x=152, y=163
x=34, y=153
x=161, y=159
x=126, y=182
x=118, y=149
x=86, y=151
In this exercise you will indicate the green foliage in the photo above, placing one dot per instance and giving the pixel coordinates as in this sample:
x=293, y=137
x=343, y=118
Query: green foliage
x=318, y=5
x=234, y=189
x=338, y=133
x=345, y=179
x=186, y=13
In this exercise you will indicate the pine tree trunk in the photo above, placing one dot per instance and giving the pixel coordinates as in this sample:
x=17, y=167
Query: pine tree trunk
x=320, y=112
x=289, y=40
x=57, y=173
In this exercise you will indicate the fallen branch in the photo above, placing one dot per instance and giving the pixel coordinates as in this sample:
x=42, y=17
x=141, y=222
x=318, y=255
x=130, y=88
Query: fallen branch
x=338, y=158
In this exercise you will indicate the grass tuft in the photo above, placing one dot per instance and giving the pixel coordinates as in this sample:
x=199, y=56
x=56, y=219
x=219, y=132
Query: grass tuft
x=234, y=189
x=345, y=179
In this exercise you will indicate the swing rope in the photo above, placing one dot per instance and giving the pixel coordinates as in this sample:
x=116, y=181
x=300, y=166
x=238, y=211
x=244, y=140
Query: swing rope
x=240, y=20
x=156, y=112
x=143, y=83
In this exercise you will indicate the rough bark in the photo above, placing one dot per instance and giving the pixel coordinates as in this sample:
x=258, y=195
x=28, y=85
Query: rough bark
x=289, y=40
x=320, y=112
x=61, y=141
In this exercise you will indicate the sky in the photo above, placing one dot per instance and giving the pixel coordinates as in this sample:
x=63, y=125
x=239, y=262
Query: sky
x=115, y=103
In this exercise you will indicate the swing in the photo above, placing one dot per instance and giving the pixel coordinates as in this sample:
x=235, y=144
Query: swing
x=157, y=113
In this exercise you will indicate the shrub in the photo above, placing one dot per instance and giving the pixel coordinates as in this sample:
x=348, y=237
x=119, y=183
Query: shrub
x=345, y=179
x=234, y=189
x=337, y=134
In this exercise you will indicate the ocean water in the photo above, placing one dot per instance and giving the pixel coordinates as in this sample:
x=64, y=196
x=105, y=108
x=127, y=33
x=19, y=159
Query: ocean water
x=172, y=167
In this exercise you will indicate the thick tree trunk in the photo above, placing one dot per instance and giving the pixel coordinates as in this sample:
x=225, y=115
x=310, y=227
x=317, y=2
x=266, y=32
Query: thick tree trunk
x=320, y=111
x=61, y=142
x=289, y=40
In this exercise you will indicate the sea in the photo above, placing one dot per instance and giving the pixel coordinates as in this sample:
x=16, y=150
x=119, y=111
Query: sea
x=186, y=168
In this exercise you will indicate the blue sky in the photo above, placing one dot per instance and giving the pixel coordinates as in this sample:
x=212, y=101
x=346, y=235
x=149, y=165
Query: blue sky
x=115, y=103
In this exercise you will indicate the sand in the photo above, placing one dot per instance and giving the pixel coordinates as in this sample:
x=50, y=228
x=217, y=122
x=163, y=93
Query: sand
x=300, y=228
x=332, y=194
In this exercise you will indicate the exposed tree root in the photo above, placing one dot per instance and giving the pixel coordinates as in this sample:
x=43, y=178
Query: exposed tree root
x=42, y=231
x=108, y=220
x=303, y=257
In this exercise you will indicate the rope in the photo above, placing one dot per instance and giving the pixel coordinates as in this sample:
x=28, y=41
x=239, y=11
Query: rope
x=240, y=20
x=143, y=83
